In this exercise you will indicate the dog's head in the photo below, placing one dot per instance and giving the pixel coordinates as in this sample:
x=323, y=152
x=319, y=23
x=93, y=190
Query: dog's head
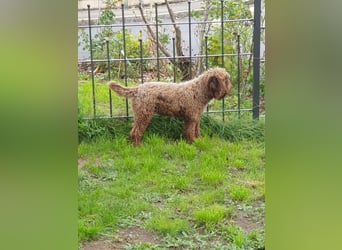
x=219, y=83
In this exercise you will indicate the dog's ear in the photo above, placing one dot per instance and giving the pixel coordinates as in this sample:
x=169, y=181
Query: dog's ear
x=214, y=86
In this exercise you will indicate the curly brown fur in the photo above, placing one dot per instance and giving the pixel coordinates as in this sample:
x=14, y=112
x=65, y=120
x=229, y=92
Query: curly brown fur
x=186, y=100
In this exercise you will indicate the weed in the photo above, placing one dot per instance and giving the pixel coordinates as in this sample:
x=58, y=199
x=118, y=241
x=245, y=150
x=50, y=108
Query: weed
x=89, y=227
x=141, y=246
x=255, y=239
x=89, y=129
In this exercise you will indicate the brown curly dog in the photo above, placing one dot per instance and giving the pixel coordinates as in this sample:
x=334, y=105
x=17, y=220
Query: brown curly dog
x=186, y=100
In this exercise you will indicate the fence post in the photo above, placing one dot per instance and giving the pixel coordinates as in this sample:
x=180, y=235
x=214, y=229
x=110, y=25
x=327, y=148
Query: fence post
x=222, y=48
x=174, y=59
x=125, y=51
x=157, y=41
x=256, y=58
x=91, y=61
x=206, y=53
x=206, y=62
x=141, y=61
x=190, y=52
x=110, y=92
x=239, y=76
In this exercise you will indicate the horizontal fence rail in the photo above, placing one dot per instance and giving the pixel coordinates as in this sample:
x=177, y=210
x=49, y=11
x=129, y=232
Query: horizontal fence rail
x=165, y=57
x=195, y=59
x=165, y=24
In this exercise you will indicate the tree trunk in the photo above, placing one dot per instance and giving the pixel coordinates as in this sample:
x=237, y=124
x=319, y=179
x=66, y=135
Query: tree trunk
x=204, y=29
x=183, y=63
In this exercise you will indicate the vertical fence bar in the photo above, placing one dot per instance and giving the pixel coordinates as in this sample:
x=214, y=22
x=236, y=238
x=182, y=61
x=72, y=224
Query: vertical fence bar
x=256, y=58
x=141, y=62
x=239, y=76
x=124, y=50
x=174, y=59
x=190, y=52
x=222, y=47
x=110, y=92
x=206, y=53
x=206, y=61
x=157, y=41
x=91, y=62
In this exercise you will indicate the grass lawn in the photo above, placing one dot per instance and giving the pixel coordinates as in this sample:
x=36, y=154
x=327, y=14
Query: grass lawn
x=168, y=194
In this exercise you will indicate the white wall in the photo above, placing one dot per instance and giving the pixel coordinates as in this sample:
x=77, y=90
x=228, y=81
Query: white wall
x=98, y=4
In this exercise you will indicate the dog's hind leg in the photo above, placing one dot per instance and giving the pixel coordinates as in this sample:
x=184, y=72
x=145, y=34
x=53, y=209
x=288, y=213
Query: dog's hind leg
x=189, y=131
x=140, y=123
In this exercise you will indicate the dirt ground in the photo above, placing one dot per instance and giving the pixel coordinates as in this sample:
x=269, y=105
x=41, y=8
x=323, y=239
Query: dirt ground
x=132, y=235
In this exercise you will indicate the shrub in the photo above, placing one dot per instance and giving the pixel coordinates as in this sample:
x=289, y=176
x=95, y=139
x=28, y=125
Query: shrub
x=116, y=44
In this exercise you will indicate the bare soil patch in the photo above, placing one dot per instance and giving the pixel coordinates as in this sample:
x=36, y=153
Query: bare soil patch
x=81, y=162
x=246, y=223
x=131, y=235
x=250, y=221
x=100, y=244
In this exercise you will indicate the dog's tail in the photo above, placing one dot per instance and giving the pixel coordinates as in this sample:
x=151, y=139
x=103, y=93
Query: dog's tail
x=123, y=91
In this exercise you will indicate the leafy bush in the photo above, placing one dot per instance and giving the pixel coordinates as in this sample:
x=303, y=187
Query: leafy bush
x=233, y=10
x=116, y=45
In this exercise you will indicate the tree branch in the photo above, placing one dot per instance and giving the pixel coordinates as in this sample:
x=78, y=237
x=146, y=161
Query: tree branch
x=179, y=51
x=204, y=29
x=152, y=34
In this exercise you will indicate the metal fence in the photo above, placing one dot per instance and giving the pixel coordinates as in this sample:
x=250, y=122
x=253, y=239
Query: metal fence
x=122, y=26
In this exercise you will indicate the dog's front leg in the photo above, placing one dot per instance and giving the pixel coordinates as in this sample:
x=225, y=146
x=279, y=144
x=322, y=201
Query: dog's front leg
x=197, y=130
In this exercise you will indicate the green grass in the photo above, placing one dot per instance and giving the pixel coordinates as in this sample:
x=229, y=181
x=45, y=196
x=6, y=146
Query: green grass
x=167, y=226
x=190, y=196
x=102, y=99
x=239, y=193
x=211, y=215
